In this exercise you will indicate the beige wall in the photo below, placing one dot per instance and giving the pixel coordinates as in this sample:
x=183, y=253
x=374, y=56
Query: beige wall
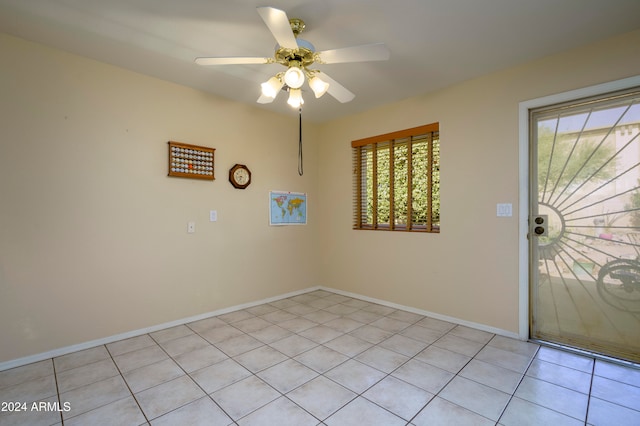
x=93, y=239
x=470, y=270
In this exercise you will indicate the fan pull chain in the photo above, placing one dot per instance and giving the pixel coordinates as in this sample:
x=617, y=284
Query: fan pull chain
x=300, y=168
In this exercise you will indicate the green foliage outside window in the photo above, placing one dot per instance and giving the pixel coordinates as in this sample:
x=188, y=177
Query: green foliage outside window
x=394, y=173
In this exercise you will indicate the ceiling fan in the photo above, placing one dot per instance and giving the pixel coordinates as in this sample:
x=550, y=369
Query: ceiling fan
x=297, y=55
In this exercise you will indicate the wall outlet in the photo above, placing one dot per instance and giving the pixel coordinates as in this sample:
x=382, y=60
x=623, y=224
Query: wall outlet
x=191, y=227
x=504, y=210
x=213, y=215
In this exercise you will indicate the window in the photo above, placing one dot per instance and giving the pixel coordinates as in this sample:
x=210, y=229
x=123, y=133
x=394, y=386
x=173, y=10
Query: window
x=396, y=181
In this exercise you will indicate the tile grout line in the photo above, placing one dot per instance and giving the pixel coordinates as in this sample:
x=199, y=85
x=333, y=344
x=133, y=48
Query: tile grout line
x=353, y=358
x=350, y=358
x=188, y=375
x=322, y=374
x=292, y=359
x=454, y=375
x=513, y=394
x=250, y=371
x=88, y=384
x=588, y=394
x=593, y=373
x=133, y=395
x=55, y=378
x=413, y=357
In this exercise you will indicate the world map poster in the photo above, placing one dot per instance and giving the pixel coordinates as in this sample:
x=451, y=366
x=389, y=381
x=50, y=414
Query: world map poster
x=287, y=208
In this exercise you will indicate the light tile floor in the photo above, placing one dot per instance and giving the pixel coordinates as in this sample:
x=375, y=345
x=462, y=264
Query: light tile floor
x=320, y=358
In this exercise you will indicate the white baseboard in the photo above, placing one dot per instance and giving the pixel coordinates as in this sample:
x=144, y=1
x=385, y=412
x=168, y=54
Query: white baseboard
x=434, y=315
x=106, y=340
x=93, y=343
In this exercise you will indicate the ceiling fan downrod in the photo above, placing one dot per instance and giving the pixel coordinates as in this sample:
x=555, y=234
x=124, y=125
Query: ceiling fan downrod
x=297, y=26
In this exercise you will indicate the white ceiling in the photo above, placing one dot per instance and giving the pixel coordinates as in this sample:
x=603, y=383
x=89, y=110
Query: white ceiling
x=433, y=43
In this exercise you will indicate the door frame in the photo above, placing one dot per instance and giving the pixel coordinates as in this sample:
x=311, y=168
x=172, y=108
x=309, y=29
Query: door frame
x=523, y=185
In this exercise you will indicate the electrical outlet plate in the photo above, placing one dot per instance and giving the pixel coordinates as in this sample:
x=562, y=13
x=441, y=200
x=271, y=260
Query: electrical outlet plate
x=504, y=210
x=191, y=227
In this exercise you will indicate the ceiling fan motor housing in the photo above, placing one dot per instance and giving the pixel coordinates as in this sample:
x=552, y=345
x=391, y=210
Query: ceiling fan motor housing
x=304, y=54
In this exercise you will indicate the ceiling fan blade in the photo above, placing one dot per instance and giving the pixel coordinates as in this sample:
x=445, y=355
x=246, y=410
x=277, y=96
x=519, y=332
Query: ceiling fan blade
x=362, y=53
x=232, y=60
x=278, y=24
x=337, y=90
x=265, y=99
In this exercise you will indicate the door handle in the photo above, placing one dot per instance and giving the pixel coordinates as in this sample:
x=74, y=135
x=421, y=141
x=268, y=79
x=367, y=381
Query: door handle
x=540, y=225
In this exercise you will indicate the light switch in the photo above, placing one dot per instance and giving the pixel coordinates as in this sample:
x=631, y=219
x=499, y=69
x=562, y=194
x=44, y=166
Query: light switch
x=191, y=227
x=213, y=215
x=504, y=210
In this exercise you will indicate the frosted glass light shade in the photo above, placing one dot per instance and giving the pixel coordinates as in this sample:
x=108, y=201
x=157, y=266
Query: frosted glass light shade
x=294, y=77
x=318, y=86
x=271, y=87
x=295, y=98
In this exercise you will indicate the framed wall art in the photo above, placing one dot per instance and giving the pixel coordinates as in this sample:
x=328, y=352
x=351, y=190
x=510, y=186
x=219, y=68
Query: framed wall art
x=191, y=161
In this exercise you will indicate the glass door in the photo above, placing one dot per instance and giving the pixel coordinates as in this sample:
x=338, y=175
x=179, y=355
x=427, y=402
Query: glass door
x=584, y=224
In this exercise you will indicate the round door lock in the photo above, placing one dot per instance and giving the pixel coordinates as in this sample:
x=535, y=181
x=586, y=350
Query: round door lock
x=539, y=220
x=539, y=230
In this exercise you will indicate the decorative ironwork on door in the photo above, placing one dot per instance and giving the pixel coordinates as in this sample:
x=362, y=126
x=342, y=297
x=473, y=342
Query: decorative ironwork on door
x=584, y=224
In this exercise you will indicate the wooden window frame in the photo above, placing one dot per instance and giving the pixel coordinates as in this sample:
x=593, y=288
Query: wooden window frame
x=365, y=151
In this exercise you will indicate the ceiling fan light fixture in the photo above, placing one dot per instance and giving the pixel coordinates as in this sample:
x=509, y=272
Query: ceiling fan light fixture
x=295, y=98
x=271, y=87
x=294, y=77
x=318, y=86
x=297, y=56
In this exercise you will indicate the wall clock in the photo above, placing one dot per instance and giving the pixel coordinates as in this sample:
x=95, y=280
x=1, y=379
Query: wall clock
x=239, y=176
